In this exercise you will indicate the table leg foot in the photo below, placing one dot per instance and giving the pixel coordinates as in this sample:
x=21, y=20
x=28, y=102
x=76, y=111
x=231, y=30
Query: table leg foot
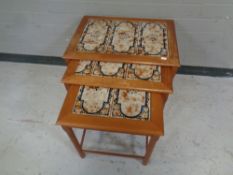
x=149, y=149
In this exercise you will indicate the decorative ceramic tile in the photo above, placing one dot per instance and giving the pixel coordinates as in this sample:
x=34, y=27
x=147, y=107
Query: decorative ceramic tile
x=93, y=101
x=108, y=102
x=84, y=68
x=143, y=72
x=94, y=36
x=131, y=104
x=153, y=39
x=124, y=37
x=120, y=70
x=109, y=69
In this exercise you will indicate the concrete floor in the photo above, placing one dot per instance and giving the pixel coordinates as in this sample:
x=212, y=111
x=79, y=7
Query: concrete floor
x=198, y=129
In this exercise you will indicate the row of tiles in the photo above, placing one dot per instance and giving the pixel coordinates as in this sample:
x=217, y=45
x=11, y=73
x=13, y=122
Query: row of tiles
x=108, y=102
x=124, y=37
x=120, y=70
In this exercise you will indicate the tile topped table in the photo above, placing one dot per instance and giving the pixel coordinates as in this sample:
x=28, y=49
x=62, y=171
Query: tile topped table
x=119, y=75
x=129, y=40
x=152, y=78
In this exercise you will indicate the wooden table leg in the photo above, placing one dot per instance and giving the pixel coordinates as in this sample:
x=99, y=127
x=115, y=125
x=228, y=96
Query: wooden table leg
x=67, y=87
x=149, y=149
x=74, y=140
x=83, y=136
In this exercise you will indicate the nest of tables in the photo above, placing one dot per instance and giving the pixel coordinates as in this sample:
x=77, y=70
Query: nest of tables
x=119, y=75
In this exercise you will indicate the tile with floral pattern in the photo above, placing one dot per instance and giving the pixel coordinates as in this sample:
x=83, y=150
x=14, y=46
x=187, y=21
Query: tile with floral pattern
x=95, y=101
x=95, y=35
x=131, y=104
x=84, y=67
x=153, y=39
x=143, y=72
x=123, y=38
x=116, y=70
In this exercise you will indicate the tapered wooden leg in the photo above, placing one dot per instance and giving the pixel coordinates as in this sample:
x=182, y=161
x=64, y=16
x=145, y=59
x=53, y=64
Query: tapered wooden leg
x=149, y=149
x=74, y=140
x=83, y=136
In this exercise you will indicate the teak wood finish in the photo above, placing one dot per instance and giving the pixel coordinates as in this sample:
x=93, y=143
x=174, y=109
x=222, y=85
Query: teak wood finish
x=165, y=86
x=153, y=128
x=171, y=60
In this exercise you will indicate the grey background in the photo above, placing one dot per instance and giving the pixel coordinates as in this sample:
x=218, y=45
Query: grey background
x=44, y=27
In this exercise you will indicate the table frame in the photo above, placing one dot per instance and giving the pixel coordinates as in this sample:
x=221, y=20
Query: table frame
x=149, y=144
x=152, y=128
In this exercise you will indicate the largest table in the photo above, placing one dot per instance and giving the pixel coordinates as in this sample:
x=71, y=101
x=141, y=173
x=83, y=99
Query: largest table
x=119, y=75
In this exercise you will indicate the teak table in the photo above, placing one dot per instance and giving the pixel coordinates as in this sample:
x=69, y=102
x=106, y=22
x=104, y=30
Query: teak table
x=119, y=75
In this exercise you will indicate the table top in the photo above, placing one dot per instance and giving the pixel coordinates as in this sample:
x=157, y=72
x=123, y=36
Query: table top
x=128, y=40
x=115, y=110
